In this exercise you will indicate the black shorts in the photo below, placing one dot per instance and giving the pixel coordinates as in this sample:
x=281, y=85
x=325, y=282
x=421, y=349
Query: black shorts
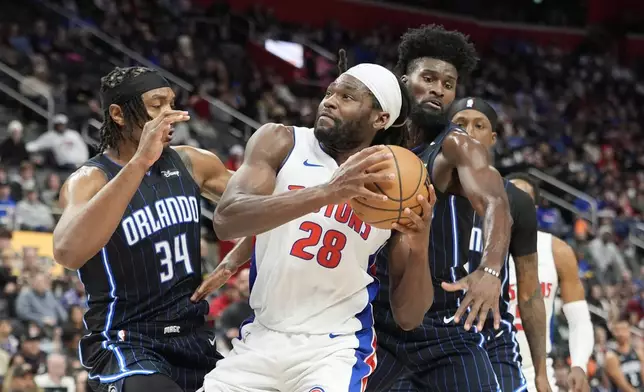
x=437, y=356
x=503, y=350
x=183, y=353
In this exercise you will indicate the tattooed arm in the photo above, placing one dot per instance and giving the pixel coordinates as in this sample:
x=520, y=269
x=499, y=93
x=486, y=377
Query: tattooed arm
x=523, y=248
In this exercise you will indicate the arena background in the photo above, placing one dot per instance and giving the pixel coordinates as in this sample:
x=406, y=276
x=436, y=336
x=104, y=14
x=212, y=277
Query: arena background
x=564, y=75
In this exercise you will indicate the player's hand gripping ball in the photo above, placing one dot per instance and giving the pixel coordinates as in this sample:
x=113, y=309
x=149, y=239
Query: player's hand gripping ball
x=411, y=180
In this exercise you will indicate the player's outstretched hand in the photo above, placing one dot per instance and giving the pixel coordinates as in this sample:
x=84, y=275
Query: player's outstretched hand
x=483, y=291
x=155, y=134
x=349, y=179
x=215, y=280
x=418, y=230
x=577, y=380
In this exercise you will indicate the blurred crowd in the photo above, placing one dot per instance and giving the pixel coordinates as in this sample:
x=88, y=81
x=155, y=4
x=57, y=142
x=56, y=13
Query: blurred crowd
x=574, y=116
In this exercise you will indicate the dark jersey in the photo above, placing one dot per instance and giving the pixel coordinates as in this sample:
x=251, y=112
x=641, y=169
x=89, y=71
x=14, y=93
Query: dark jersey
x=152, y=263
x=523, y=240
x=631, y=367
x=448, y=241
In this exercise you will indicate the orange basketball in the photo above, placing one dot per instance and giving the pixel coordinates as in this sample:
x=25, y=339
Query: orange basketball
x=411, y=180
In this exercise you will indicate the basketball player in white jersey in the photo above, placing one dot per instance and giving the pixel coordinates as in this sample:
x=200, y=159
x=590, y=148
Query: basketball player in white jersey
x=557, y=270
x=310, y=283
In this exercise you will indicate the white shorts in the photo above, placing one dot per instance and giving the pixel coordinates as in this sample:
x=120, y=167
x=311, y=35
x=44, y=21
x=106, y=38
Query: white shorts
x=265, y=360
x=528, y=373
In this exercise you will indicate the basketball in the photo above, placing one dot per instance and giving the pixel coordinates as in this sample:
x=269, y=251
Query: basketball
x=411, y=180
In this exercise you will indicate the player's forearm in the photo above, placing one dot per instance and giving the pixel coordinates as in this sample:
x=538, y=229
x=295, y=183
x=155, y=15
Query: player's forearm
x=498, y=226
x=533, y=318
x=412, y=294
x=246, y=215
x=80, y=236
x=239, y=255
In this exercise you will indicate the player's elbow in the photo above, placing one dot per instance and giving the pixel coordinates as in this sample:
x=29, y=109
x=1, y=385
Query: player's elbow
x=66, y=254
x=223, y=223
x=406, y=321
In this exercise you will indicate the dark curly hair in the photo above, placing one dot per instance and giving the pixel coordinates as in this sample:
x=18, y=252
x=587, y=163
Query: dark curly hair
x=435, y=42
x=396, y=134
x=134, y=111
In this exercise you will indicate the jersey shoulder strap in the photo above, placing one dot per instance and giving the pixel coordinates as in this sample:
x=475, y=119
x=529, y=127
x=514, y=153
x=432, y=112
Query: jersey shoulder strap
x=436, y=147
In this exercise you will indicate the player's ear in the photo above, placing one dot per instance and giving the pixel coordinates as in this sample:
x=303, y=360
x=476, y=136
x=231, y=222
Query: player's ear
x=493, y=138
x=117, y=114
x=404, y=79
x=381, y=121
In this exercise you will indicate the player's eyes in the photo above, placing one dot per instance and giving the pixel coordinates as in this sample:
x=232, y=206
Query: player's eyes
x=347, y=96
x=327, y=94
x=428, y=79
x=449, y=86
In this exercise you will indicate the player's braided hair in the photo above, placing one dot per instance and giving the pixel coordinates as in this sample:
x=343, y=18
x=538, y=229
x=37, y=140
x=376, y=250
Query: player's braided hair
x=134, y=111
x=435, y=42
x=396, y=134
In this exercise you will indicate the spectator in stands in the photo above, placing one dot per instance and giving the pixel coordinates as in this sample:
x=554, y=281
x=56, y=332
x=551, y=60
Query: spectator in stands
x=38, y=304
x=75, y=296
x=56, y=374
x=12, y=149
x=32, y=214
x=75, y=318
x=7, y=204
x=31, y=353
x=68, y=147
x=606, y=256
x=20, y=378
x=51, y=192
x=8, y=345
x=25, y=179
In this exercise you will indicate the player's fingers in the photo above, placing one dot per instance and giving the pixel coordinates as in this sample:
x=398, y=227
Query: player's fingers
x=497, y=315
x=426, y=206
x=432, y=195
x=460, y=312
x=474, y=311
x=363, y=164
x=167, y=114
x=199, y=293
x=367, y=194
x=364, y=153
x=485, y=309
x=402, y=228
x=417, y=223
x=456, y=286
x=378, y=177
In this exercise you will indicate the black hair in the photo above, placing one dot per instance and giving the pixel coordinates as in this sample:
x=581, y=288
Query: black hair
x=397, y=133
x=435, y=42
x=134, y=112
x=623, y=317
x=530, y=180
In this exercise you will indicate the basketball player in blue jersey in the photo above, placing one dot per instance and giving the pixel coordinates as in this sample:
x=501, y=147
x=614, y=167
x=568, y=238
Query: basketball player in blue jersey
x=479, y=120
x=130, y=226
x=310, y=284
x=624, y=363
x=444, y=354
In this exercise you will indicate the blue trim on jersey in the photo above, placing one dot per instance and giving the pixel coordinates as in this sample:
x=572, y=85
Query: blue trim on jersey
x=252, y=276
x=366, y=335
x=124, y=372
x=452, y=210
x=552, y=323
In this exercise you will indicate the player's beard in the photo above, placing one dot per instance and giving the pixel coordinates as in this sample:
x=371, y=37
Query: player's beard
x=430, y=122
x=342, y=136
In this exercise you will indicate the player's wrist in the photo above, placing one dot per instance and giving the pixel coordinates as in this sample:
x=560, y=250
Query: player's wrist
x=491, y=271
x=138, y=164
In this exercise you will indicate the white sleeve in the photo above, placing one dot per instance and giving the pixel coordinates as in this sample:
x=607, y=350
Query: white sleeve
x=582, y=336
x=43, y=142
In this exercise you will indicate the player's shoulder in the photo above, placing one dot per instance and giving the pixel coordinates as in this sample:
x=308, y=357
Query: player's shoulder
x=458, y=144
x=86, y=179
x=561, y=249
x=271, y=143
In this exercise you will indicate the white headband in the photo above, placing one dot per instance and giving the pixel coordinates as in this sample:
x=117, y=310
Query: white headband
x=383, y=84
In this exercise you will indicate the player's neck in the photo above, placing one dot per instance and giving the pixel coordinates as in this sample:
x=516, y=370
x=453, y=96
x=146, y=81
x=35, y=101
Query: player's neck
x=123, y=154
x=340, y=155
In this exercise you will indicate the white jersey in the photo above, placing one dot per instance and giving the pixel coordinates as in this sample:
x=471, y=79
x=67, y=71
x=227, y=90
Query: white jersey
x=312, y=273
x=549, y=284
